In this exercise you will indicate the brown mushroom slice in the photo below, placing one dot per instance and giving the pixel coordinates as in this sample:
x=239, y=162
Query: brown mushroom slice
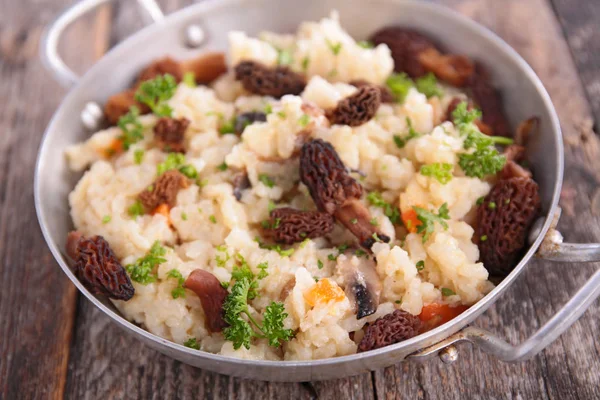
x=212, y=296
x=488, y=100
x=119, y=104
x=526, y=129
x=335, y=192
x=455, y=69
x=206, y=67
x=361, y=284
x=240, y=183
x=162, y=66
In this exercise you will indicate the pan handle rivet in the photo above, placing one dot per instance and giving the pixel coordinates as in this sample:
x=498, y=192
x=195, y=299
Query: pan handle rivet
x=448, y=354
x=92, y=116
x=194, y=36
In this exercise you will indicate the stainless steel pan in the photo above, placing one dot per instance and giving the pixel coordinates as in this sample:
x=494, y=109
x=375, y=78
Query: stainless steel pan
x=205, y=26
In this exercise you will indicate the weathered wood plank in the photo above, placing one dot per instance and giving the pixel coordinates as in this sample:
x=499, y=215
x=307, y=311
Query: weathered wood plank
x=579, y=20
x=37, y=302
x=566, y=369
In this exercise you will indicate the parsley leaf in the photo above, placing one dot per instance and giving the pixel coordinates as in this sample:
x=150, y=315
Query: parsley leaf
x=273, y=324
x=179, y=291
x=428, y=220
x=192, y=343
x=399, y=84
x=447, y=292
x=138, y=156
x=156, y=92
x=442, y=172
x=304, y=120
x=142, y=270
x=365, y=44
x=131, y=127
x=189, y=79
x=266, y=180
x=284, y=57
x=420, y=265
x=136, y=209
x=334, y=47
x=176, y=161
x=305, y=63
x=428, y=86
x=412, y=133
x=389, y=210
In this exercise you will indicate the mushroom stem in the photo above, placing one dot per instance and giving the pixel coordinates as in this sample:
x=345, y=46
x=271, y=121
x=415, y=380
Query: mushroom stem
x=355, y=216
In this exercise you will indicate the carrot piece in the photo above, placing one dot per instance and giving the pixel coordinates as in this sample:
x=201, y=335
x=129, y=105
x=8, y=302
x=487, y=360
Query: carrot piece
x=115, y=147
x=163, y=209
x=323, y=292
x=410, y=220
x=435, y=314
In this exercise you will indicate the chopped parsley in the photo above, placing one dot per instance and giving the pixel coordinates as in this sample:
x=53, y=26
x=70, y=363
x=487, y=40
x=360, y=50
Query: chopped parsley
x=179, y=291
x=189, y=79
x=428, y=220
x=365, y=44
x=131, y=127
x=399, y=85
x=360, y=253
x=270, y=206
x=176, y=161
x=483, y=238
x=136, y=209
x=420, y=265
x=282, y=114
x=376, y=237
x=373, y=221
x=138, y=156
x=334, y=47
x=304, y=120
x=428, y=86
x=479, y=201
x=192, y=343
x=305, y=63
x=156, y=92
x=332, y=257
x=398, y=301
x=442, y=172
x=227, y=127
x=184, y=216
x=284, y=57
x=412, y=133
x=481, y=158
x=447, y=292
x=389, y=210
x=319, y=264
x=222, y=166
x=142, y=271
x=492, y=205
x=354, y=221
x=213, y=219
x=106, y=219
x=266, y=180
x=268, y=108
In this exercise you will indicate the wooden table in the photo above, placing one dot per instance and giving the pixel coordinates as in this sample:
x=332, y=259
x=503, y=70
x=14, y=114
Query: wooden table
x=54, y=343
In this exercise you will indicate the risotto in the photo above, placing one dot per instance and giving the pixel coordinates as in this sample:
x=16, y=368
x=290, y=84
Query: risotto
x=305, y=196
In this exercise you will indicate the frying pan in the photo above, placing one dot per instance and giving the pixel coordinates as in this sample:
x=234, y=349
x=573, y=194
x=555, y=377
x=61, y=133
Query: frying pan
x=203, y=27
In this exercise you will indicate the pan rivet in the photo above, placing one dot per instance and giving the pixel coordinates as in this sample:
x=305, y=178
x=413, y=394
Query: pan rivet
x=448, y=354
x=194, y=36
x=92, y=116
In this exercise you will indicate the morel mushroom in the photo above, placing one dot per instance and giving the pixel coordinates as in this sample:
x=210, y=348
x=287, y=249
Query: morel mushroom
x=119, y=104
x=406, y=46
x=503, y=222
x=389, y=329
x=164, y=190
x=206, y=67
x=170, y=134
x=160, y=67
x=97, y=266
x=361, y=284
x=248, y=118
x=212, y=296
x=455, y=69
x=357, y=109
x=276, y=82
x=288, y=225
x=515, y=153
x=386, y=95
x=335, y=192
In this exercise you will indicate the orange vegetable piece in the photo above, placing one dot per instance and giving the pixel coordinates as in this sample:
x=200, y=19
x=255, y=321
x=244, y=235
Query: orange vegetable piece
x=410, y=220
x=163, y=209
x=435, y=314
x=115, y=147
x=323, y=292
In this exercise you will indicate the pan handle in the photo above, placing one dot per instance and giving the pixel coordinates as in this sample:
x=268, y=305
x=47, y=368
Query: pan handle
x=49, y=43
x=552, y=249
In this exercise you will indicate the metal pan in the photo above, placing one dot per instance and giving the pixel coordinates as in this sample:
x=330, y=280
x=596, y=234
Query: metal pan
x=205, y=26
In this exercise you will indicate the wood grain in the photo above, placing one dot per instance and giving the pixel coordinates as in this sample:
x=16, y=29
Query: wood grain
x=37, y=301
x=47, y=355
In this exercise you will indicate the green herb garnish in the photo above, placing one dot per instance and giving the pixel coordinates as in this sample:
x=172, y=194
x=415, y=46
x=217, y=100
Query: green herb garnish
x=447, y=292
x=156, y=92
x=131, y=127
x=399, y=84
x=365, y=44
x=142, y=270
x=138, y=156
x=420, y=265
x=266, y=180
x=136, y=209
x=106, y=219
x=334, y=47
x=179, y=291
x=428, y=86
x=412, y=133
x=442, y=172
x=189, y=79
x=428, y=220
x=192, y=343
x=389, y=210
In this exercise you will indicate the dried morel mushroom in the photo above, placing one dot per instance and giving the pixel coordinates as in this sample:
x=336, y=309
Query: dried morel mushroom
x=97, y=267
x=335, y=192
x=212, y=296
x=452, y=68
x=170, y=134
x=288, y=225
x=452, y=106
x=503, y=222
x=358, y=108
x=161, y=67
x=206, y=67
x=514, y=154
x=488, y=100
x=406, y=46
x=245, y=119
x=276, y=82
x=386, y=95
x=164, y=190
x=119, y=105
x=389, y=329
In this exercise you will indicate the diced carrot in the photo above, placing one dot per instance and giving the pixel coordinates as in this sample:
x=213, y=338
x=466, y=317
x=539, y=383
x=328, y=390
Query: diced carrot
x=115, y=147
x=410, y=220
x=323, y=292
x=435, y=314
x=163, y=209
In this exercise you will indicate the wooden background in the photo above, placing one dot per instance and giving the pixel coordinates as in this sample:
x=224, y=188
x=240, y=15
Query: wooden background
x=54, y=344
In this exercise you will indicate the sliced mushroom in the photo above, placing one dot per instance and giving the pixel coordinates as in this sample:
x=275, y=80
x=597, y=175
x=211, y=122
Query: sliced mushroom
x=240, y=183
x=212, y=296
x=335, y=192
x=361, y=283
